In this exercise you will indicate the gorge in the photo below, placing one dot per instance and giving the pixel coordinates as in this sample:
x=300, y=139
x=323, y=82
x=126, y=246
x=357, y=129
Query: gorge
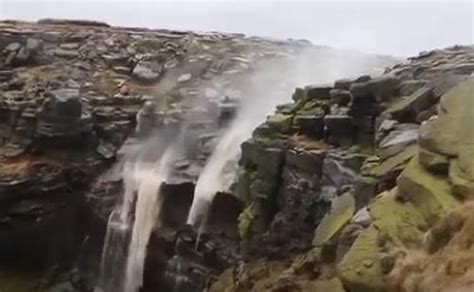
x=157, y=160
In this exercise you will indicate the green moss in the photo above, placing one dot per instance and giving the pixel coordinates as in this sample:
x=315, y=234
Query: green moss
x=280, y=122
x=401, y=221
x=360, y=269
x=342, y=209
x=451, y=132
x=430, y=193
x=432, y=161
x=461, y=185
x=245, y=221
x=394, y=163
x=331, y=285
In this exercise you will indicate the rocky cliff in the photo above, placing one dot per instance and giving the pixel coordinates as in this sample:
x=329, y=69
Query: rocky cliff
x=362, y=185
x=349, y=187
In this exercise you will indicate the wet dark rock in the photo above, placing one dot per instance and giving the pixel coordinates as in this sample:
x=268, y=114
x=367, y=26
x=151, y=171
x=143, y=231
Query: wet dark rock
x=340, y=96
x=318, y=92
x=380, y=88
x=310, y=125
x=340, y=129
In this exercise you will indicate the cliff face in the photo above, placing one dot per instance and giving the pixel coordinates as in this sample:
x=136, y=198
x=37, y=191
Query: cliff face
x=75, y=97
x=315, y=183
x=362, y=185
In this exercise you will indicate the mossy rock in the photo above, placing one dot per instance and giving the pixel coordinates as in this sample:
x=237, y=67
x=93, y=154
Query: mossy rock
x=360, y=269
x=342, y=209
x=433, y=161
x=243, y=185
x=312, y=108
x=267, y=160
x=262, y=189
x=280, y=122
x=399, y=220
x=299, y=94
x=331, y=285
x=430, y=193
x=451, y=133
x=394, y=163
x=462, y=186
x=245, y=221
x=225, y=282
x=290, y=108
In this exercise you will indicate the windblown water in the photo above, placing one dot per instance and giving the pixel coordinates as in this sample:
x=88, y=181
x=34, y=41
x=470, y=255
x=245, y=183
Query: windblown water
x=125, y=244
x=114, y=253
x=150, y=177
x=265, y=90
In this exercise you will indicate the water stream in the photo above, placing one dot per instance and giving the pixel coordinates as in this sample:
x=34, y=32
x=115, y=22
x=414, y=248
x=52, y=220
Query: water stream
x=150, y=177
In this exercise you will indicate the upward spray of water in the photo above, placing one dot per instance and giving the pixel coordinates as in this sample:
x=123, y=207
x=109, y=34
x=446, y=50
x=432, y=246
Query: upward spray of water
x=214, y=176
x=266, y=87
x=150, y=177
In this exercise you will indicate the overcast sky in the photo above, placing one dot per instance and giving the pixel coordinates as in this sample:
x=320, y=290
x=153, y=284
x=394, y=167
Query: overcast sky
x=400, y=28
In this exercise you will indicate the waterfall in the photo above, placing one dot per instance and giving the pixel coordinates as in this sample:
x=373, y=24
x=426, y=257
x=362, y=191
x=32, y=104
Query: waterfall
x=150, y=177
x=116, y=240
x=219, y=170
x=267, y=87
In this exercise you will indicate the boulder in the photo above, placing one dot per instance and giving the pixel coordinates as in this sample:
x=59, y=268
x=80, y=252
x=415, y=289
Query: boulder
x=298, y=94
x=147, y=71
x=381, y=88
x=310, y=125
x=318, y=92
x=408, y=108
x=391, y=167
x=429, y=193
x=448, y=134
x=342, y=209
x=308, y=161
x=404, y=226
x=340, y=129
x=408, y=87
x=397, y=140
x=432, y=161
x=280, y=122
x=61, y=114
x=340, y=96
x=345, y=84
x=365, y=188
x=360, y=269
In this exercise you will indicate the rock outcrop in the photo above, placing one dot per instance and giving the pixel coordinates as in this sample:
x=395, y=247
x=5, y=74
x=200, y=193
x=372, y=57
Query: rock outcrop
x=380, y=165
x=350, y=187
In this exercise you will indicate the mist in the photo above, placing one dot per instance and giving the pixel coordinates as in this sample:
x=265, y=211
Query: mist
x=272, y=83
x=401, y=28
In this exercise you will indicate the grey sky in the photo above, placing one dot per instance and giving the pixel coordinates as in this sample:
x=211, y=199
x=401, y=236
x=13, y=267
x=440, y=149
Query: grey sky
x=397, y=28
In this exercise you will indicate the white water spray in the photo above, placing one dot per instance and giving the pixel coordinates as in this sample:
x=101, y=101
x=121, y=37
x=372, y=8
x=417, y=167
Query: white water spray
x=265, y=89
x=148, y=203
x=114, y=252
x=214, y=176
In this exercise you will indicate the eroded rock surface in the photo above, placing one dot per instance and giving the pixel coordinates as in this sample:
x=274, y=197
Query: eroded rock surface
x=405, y=170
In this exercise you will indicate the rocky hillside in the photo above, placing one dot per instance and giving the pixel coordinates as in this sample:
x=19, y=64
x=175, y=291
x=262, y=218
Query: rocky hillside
x=363, y=185
x=349, y=187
